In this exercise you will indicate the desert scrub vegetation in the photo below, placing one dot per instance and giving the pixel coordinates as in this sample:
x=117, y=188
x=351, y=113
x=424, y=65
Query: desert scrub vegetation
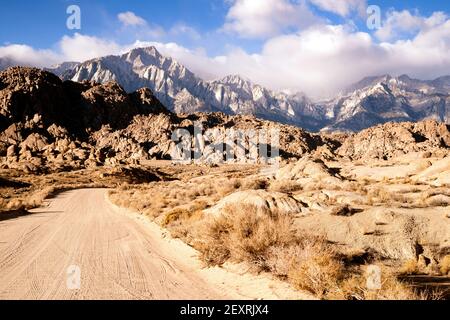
x=183, y=191
x=284, y=186
x=410, y=267
x=20, y=191
x=157, y=199
x=355, y=288
x=444, y=266
x=194, y=210
x=408, y=196
x=263, y=239
x=241, y=235
x=267, y=242
x=420, y=267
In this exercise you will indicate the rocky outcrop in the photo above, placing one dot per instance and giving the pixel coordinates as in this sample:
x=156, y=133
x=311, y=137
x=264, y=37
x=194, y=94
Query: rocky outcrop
x=263, y=201
x=309, y=169
x=396, y=139
x=48, y=124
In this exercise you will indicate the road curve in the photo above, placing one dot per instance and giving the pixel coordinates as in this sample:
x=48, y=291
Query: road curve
x=117, y=256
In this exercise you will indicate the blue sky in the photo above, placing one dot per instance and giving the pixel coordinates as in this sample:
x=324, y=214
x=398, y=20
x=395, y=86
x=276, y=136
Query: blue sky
x=256, y=38
x=42, y=23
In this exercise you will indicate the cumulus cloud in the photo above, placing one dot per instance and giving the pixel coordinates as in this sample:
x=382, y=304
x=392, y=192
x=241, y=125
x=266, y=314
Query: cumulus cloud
x=266, y=18
x=323, y=60
x=82, y=47
x=131, y=19
x=29, y=56
x=319, y=60
x=341, y=7
x=139, y=26
x=405, y=23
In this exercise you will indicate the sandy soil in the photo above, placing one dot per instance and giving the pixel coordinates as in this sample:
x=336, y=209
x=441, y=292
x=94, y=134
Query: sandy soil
x=121, y=255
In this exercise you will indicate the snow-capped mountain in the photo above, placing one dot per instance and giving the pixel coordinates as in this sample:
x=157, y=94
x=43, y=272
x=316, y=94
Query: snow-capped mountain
x=377, y=100
x=183, y=92
x=63, y=68
x=372, y=101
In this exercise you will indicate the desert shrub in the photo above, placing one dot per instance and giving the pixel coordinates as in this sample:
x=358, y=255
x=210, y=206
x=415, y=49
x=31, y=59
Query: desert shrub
x=254, y=184
x=201, y=189
x=281, y=258
x=175, y=215
x=410, y=267
x=180, y=214
x=355, y=288
x=284, y=186
x=227, y=187
x=3, y=204
x=15, y=204
x=241, y=235
x=317, y=270
x=445, y=265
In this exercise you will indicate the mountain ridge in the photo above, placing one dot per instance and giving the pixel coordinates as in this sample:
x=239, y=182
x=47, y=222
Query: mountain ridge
x=371, y=101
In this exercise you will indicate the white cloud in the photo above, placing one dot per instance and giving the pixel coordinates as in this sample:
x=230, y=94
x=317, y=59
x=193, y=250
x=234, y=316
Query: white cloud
x=81, y=47
x=319, y=60
x=181, y=29
x=323, y=60
x=341, y=7
x=398, y=23
x=139, y=26
x=27, y=55
x=131, y=19
x=266, y=18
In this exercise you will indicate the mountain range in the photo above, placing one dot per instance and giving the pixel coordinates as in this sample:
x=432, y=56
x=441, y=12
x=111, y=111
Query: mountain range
x=372, y=101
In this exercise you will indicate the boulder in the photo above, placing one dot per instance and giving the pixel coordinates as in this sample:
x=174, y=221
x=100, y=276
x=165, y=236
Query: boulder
x=34, y=143
x=264, y=201
x=11, y=151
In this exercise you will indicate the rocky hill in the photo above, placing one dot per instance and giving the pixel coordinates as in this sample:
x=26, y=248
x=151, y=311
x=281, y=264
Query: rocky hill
x=396, y=139
x=48, y=124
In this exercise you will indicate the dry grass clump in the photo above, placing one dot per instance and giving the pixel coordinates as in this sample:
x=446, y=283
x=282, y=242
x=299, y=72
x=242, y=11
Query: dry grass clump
x=268, y=242
x=356, y=288
x=317, y=270
x=380, y=195
x=225, y=188
x=410, y=267
x=416, y=267
x=444, y=265
x=254, y=184
x=284, y=186
x=240, y=235
x=195, y=210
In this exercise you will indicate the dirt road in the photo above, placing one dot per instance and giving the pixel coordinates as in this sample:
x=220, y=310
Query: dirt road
x=82, y=247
